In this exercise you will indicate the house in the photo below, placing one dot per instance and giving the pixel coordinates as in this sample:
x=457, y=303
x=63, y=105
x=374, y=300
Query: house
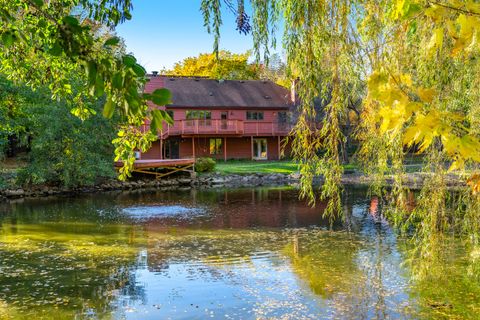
x=222, y=119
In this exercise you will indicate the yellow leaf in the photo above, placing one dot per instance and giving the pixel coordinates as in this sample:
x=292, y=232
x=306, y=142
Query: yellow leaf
x=456, y=165
x=436, y=41
x=406, y=79
x=466, y=26
x=437, y=13
x=450, y=143
x=384, y=113
x=411, y=135
x=426, y=95
x=469, y=148
x=412, y=107
x=474, y=183
x=426, y=142
x=465, y=39
x=473, y=7
x=451, y=29
x=376, y=81
x=458, y=47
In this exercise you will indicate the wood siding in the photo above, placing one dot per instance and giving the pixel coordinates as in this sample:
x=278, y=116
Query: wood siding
x=154, y=152
x=237, y=148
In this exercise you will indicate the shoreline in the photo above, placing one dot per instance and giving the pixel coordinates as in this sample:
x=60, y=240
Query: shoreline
x=413, y=181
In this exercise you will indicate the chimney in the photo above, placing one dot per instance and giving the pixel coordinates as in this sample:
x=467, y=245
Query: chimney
x=293, y=91
x=154, y=73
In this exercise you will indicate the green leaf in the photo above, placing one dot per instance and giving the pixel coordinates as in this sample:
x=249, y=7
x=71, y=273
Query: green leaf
x=412, y=28
x=99, y=86
x=133, y=103
x=139, y=70
x=72, y=21
x=156, y=123
x=38, y=3
x=166, y=117
x=153, y=125
x=56, y=50
x=91, y=72
x=113, y=41
x=117, y=81
x=411, y=10
x=129, y=60
x=108, y=108
x=161, y=97
x=7, y=39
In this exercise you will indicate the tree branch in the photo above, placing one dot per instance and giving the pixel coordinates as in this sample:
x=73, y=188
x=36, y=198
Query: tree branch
x=471, y=13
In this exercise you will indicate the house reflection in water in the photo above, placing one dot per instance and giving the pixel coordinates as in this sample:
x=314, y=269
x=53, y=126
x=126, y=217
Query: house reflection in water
x=226, y=224
x=238, y=209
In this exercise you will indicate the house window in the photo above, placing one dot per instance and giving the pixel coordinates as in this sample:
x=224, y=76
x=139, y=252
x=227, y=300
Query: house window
x=198, y=114
x=170, y=113
x=254, y=115
x=282, y=117
x=216, y=146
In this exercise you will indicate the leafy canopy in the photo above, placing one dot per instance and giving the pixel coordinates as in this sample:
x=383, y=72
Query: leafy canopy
x=44, y=42
x=414, y=63
x=226, y=65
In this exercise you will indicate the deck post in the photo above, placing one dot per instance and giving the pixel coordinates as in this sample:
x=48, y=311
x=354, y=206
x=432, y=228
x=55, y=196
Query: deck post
x=279, y=151
x=225, y=149
x=251, y=146
x=161, y=148
x=193, y=147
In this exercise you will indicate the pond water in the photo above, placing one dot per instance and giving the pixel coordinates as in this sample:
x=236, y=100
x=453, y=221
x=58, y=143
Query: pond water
x=222, y=254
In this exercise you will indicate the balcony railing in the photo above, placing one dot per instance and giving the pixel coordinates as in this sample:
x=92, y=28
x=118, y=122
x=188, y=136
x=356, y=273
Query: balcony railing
x=231, y=127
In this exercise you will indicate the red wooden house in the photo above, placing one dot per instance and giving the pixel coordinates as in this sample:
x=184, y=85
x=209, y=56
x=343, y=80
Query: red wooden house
x=222, y=119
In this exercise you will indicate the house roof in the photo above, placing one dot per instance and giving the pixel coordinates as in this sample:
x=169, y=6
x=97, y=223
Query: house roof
x=203, y=92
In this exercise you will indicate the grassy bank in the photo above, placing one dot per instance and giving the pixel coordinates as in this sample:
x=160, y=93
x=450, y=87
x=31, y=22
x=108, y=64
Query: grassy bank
x=246, y=167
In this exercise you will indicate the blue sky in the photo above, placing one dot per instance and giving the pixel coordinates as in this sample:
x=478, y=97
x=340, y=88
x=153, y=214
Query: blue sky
x=163, y=32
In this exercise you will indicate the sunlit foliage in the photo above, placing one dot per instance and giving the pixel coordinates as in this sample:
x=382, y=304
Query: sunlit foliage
x=44, y=42
x=415, y=65
x=226, y=65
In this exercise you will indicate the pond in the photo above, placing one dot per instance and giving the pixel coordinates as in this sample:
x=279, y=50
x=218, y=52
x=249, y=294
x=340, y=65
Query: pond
x=222, y=254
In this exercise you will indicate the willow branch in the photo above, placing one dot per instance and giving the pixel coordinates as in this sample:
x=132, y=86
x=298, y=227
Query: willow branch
x=468, y=12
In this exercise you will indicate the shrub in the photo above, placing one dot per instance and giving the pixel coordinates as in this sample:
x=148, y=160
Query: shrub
x=204, y=164
x=66, y=150
x=3, y=183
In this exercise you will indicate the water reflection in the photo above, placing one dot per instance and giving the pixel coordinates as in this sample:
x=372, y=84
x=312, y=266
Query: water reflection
x=248, y=254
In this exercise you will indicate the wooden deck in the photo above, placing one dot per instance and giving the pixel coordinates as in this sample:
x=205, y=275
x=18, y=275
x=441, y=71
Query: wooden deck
x=172, y=165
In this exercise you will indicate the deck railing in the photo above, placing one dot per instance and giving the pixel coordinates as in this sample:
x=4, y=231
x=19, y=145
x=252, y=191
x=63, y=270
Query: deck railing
x=230, y=127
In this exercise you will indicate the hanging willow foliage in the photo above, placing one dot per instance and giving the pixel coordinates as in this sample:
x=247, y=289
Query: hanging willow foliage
x=415, y=63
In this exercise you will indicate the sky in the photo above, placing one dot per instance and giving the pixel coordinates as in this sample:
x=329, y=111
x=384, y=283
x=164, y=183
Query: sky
x=163, y=32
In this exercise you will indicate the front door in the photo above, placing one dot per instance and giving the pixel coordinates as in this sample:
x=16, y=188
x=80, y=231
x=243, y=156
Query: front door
x=260, y=149
x=172, y=148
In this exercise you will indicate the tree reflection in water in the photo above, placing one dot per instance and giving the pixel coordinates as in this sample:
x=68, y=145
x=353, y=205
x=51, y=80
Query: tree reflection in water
x=251, y=253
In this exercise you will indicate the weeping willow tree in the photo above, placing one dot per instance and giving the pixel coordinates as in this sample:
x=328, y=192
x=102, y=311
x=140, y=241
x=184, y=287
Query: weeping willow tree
x=415, y=63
